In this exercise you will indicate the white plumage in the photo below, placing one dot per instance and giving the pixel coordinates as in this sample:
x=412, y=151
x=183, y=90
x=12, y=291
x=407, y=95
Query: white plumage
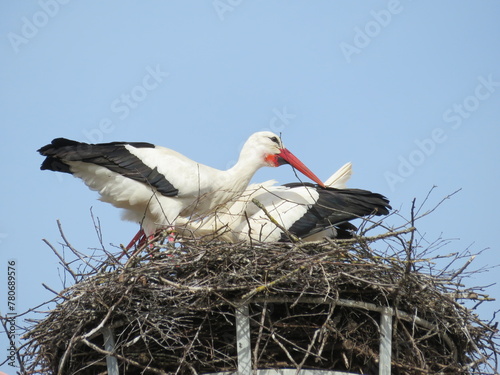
x=305, y=210
x=156, y=185
x=241, y=220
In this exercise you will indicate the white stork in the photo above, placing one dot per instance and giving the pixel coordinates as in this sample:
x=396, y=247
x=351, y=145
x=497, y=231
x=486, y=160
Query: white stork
x=304, y=210
x=156, y=185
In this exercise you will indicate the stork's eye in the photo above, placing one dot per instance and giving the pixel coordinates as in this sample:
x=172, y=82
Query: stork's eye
x=275, y=140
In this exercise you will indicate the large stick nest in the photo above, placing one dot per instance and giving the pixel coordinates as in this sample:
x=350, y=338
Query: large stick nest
x=172, y=310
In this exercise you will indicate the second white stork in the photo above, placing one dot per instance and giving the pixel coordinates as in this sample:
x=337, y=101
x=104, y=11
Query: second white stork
x=156, y=185
x=300, y=209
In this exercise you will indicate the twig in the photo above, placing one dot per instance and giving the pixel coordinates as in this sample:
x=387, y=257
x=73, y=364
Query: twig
x=122, y=358
x=61, y=232
x=292, y=237
x=462, y=269
x=437, y=205
x=53, y=291
x=97, y=227
x=64, y=263
x=67, y=352
x=185, y=287
x=259, y=336
x=409, y=250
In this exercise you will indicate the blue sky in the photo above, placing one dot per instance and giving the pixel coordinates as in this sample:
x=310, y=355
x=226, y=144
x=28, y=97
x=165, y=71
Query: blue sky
x=408, y=91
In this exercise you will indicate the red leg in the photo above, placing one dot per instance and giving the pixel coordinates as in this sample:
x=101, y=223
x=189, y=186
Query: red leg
x=139, y=238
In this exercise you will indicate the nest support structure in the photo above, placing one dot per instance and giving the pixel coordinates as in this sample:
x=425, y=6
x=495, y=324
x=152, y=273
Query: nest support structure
x=343, y=306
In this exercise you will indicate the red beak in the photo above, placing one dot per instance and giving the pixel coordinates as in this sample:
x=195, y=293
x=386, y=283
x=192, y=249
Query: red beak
x=286, y=156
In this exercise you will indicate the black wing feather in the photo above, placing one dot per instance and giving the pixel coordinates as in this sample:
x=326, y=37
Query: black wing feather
x=335, y=207
x=113, y=156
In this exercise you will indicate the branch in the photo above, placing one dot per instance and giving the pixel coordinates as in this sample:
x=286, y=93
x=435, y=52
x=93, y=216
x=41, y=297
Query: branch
x=64, y=263
x=292, y=237
x=74, y=251
x=122, y=358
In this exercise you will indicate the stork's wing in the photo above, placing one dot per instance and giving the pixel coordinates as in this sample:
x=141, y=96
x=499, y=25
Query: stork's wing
x=63, y=155
x=304, y=209
x=335, y=206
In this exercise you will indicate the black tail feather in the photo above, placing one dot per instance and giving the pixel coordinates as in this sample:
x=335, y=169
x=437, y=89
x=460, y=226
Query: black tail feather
x=338, y=206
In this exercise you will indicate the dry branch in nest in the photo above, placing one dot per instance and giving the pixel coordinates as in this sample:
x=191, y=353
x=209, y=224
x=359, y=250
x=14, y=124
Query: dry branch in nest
x=311, y=305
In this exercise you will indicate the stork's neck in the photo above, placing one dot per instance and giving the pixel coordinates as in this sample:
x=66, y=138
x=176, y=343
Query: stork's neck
x=242, y=172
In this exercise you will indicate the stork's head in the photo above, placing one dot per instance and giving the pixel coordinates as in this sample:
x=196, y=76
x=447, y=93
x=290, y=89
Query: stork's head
x=269, y=149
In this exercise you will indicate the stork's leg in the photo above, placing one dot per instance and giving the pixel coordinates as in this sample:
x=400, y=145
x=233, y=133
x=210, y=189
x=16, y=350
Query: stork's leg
x=171, y=235
x=139, y=238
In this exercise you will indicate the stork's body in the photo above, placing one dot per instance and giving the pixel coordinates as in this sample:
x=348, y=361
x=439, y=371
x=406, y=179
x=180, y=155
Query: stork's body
x=156, y=185
x=304, y=210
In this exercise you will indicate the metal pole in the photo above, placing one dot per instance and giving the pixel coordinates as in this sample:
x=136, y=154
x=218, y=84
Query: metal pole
x=385, y=350
x=109, y=345
x=243, y=341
